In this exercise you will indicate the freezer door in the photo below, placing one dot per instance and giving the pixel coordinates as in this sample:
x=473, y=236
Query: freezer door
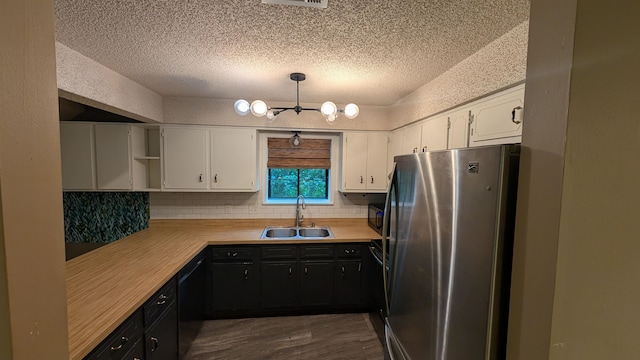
x=447, y=250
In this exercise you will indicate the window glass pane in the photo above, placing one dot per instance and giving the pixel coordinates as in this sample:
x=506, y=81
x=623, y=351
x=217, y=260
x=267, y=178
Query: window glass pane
x=313, y=183
x=283, y=183
x=288, y=183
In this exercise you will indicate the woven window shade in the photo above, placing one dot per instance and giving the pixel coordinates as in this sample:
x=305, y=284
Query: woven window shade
x=310, y=154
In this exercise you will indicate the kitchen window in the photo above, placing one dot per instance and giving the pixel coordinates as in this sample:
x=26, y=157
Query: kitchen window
x=298, y=165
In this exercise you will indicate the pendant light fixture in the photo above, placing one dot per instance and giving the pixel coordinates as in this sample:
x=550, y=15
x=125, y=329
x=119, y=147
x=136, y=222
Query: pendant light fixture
x=328, y=109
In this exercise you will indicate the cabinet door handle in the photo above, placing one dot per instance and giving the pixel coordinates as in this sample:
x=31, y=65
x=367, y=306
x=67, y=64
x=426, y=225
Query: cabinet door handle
x=359, y=266
x=162, y=300
x=215, y=178
x=246, y=274
x=513, y=115
x=154, y=344
x=306, y=271
x=290, y=271
x=200, y=178
x=342, y=271
x=361, y=180
x=123, y=341
x=372, y=179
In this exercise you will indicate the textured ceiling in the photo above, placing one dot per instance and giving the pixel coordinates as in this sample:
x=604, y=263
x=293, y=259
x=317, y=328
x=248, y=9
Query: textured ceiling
x=372, y=52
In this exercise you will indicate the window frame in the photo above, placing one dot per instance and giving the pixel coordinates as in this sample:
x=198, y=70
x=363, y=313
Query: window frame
x=332, y=179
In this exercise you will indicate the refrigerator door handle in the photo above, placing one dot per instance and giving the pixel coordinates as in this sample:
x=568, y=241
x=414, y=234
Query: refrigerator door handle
x=385, y=230
x=393, y=345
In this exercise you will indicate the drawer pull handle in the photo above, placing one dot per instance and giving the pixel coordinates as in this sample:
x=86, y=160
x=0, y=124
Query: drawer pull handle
x=155, y=344
x=229, y=254
x=162, y=300
x=123, y=341
x=361, y=179
x=346, y=251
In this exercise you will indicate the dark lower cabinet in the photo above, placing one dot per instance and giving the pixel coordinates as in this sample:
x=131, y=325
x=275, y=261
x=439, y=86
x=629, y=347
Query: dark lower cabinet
x=349, y=283
x=125, y=340
x=285, y=279
x=236, y=287
x=161, y=338
x=316, y=283
x=137, y=352
x=279, y=285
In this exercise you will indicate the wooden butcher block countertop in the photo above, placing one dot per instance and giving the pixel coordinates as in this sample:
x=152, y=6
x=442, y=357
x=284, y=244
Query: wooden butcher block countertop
x=105, y=286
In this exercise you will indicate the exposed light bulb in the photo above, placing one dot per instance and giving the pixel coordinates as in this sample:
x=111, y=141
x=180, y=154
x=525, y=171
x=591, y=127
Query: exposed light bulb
x=351, y=111
x=331, y=118
x=328, y=108
x=259, y=108
x=271, y=115
x=242, y=107
x=296, y=140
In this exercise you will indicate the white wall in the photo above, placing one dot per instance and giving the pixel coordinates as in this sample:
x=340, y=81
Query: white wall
x=500, y=64
x=83, y=80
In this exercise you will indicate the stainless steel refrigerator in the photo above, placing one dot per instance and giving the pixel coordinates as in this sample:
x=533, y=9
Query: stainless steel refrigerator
x=451, y=218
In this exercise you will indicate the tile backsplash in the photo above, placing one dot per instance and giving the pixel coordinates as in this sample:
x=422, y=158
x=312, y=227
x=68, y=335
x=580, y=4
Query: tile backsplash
x=104, y=217
x=249, y=206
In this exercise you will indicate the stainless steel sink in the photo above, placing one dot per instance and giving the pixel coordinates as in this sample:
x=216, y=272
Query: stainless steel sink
x=292, y=233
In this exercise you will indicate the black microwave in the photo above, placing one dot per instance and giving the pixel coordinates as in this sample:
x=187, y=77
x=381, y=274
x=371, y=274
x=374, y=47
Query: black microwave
x=376, y=216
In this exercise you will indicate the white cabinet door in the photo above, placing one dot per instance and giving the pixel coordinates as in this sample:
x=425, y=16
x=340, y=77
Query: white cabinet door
x=497, y=120
x=233, y=159
x=78, y=156
x=394, y=148
x=412, y=140
x=459, y=129
x=113, y=169
x=354, y=168
x=435, y=134
x=185, y=158
x=377, y=161
x=364, y=162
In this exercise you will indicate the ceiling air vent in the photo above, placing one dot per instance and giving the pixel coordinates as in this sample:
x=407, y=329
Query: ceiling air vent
x=308, y=3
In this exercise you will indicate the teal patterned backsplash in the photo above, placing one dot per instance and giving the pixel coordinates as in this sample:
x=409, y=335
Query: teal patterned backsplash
x=104, y=217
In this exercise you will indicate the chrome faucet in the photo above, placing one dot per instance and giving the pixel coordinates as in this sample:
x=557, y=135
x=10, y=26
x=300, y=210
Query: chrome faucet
x=299, y=208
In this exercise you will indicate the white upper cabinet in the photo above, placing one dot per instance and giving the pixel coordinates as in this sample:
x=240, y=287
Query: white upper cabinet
x=498, y=118
x=395, y=148
x=78, y=156
x=412, y=139
x=113, y=167
x=364, y=162
x=233, y=159
x=435, y=134
x=185, y=158
x=458, y=129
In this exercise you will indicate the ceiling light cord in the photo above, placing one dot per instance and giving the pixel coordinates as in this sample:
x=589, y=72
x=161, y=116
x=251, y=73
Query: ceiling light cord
x=328, y=109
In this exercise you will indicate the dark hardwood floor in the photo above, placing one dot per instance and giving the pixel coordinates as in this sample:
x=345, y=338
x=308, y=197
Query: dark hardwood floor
x=315, y=337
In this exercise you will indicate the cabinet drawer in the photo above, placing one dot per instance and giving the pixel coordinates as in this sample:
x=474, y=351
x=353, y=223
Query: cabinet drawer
x=317, y=251
x=159, y=302
x=121, y=341
x=279, y=252
x=349, y=251
x=234, y=253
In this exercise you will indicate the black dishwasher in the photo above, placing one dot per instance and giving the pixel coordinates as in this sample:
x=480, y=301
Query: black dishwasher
x=191, y=301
